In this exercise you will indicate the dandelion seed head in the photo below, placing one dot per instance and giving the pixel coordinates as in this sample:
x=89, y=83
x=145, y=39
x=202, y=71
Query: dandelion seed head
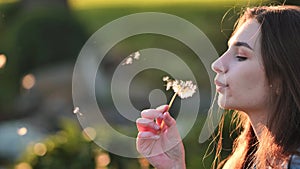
x=187, y=90
x=169, y=85
x=184, y=89
x=176, y=86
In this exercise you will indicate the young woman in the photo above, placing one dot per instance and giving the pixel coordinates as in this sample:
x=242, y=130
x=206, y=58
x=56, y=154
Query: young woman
x=258, y=77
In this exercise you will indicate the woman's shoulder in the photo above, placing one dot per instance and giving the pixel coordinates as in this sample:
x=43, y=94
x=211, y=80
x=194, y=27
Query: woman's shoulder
x=294, y=161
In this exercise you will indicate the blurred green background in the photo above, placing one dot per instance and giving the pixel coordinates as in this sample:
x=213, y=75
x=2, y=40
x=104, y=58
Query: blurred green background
x=39, y=44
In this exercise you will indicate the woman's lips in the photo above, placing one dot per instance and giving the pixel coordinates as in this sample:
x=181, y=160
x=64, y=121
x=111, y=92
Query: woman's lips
x=220, y=87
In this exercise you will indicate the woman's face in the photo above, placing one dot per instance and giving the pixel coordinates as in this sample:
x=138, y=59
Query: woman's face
x=240, y=81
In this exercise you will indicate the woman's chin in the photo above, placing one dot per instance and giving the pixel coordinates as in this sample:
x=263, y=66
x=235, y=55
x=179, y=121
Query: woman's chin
x=222, y=101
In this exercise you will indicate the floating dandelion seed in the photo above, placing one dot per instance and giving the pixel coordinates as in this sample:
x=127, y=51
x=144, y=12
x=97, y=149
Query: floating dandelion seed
x=77, y=111
x=136, y=55
x=183, y=89
x=166, y=78
x=131, y=57
x=128, y=61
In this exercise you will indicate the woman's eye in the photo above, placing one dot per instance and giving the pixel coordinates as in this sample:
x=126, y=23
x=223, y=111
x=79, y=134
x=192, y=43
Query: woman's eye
x=241, y=58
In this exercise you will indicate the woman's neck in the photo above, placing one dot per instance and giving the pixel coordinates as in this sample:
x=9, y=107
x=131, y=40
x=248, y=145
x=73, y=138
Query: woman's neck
x=258, y=121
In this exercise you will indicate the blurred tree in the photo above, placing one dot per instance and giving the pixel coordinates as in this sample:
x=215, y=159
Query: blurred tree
x=291, y=2
x=29, y=4
x=43, y=36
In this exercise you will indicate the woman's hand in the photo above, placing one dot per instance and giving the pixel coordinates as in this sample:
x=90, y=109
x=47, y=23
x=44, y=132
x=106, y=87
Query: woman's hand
x=158, y=139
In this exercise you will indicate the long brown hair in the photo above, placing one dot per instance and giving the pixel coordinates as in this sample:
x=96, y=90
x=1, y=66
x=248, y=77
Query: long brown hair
x=280, y=49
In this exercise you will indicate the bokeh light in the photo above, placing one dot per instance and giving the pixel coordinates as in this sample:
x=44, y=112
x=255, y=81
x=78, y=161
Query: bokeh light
x=23, y=165
x=102, y=160
x=28, y=81
x=89, y=133
x=22, y=131
x=2, y=60
x=144, y=163
x=40, y=149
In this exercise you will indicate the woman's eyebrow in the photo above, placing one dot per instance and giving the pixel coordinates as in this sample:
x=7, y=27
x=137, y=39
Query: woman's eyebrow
x=242, y=44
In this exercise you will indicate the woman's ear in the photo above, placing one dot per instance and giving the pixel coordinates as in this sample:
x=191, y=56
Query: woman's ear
x=276, y=86
x=277, y=91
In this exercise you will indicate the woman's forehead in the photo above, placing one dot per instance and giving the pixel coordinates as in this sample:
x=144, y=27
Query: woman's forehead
x=248, y=33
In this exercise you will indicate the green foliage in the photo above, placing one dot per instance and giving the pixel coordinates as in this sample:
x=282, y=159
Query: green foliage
x=70, y=149
x=64, y=149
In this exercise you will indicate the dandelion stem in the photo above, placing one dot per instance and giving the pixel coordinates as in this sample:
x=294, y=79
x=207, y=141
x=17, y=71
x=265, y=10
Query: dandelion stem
x=169, y=106
x=172, y=100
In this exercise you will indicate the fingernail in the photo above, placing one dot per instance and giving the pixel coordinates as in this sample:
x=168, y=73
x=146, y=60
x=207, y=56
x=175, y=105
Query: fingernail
x=161, y=116
x=162, y=108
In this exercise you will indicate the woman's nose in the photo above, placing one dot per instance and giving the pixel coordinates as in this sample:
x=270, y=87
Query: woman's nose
x=219, y=65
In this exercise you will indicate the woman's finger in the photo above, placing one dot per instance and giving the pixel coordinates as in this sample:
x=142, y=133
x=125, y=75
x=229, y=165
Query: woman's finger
x=147, y=135
x=168, y=119
x=144, y=124
x=162, y=108
x=154, y=113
